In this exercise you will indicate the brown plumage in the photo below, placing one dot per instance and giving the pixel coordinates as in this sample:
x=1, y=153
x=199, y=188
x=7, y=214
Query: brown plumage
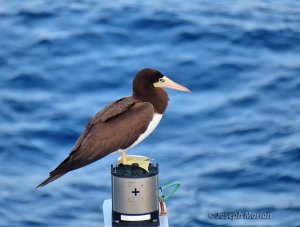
x=108, y=131
x=118, y=125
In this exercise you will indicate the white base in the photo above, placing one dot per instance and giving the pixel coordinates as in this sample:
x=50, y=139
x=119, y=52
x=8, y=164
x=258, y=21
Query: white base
x=107, y=209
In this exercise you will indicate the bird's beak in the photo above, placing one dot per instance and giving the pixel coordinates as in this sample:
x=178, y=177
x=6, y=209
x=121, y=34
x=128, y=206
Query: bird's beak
x=165, y=82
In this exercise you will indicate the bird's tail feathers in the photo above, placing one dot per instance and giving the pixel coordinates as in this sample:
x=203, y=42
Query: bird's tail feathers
x=53, y=176
x=57, y=172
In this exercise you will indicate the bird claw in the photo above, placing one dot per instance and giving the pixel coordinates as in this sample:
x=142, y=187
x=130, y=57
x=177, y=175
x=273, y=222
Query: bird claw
x=142, y=161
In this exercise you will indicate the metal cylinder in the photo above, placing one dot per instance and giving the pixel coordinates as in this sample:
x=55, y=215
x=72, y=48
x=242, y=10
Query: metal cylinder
x=135, y=195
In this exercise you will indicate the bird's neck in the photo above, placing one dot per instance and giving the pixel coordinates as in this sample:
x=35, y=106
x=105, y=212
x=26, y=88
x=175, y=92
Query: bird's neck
x=157, y=97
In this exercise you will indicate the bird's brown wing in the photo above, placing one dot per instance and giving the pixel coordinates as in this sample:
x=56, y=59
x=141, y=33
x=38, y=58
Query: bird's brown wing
x=110, y=111
x=115, y=127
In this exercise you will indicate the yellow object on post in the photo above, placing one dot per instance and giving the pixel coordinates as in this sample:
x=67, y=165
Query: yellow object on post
x=142, y=161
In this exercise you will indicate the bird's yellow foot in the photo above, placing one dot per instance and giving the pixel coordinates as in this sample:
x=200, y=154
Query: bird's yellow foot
x=143, y=161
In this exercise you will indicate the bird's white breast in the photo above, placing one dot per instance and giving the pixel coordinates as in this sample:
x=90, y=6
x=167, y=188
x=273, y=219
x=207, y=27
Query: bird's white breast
x=153, y=124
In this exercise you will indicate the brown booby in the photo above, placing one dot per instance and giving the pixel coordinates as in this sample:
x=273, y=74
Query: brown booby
x=122, y=124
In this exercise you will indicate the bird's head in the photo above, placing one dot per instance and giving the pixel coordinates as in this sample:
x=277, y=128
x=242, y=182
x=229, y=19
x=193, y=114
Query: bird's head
x=149, y=79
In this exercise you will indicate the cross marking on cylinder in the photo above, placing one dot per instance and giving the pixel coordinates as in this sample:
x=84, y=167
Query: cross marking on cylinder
x=135, y=192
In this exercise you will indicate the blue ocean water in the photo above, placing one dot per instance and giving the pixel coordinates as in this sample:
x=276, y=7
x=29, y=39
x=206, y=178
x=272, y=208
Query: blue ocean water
x=233, y=143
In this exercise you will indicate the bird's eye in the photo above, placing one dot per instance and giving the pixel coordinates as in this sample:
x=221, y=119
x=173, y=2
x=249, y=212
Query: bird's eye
x=161, y=80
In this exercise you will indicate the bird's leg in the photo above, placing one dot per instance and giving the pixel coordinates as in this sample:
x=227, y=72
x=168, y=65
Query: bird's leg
x=123, y=157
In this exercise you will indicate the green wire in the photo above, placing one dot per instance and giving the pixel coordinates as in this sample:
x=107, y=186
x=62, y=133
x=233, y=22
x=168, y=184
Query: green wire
x=171, y=187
